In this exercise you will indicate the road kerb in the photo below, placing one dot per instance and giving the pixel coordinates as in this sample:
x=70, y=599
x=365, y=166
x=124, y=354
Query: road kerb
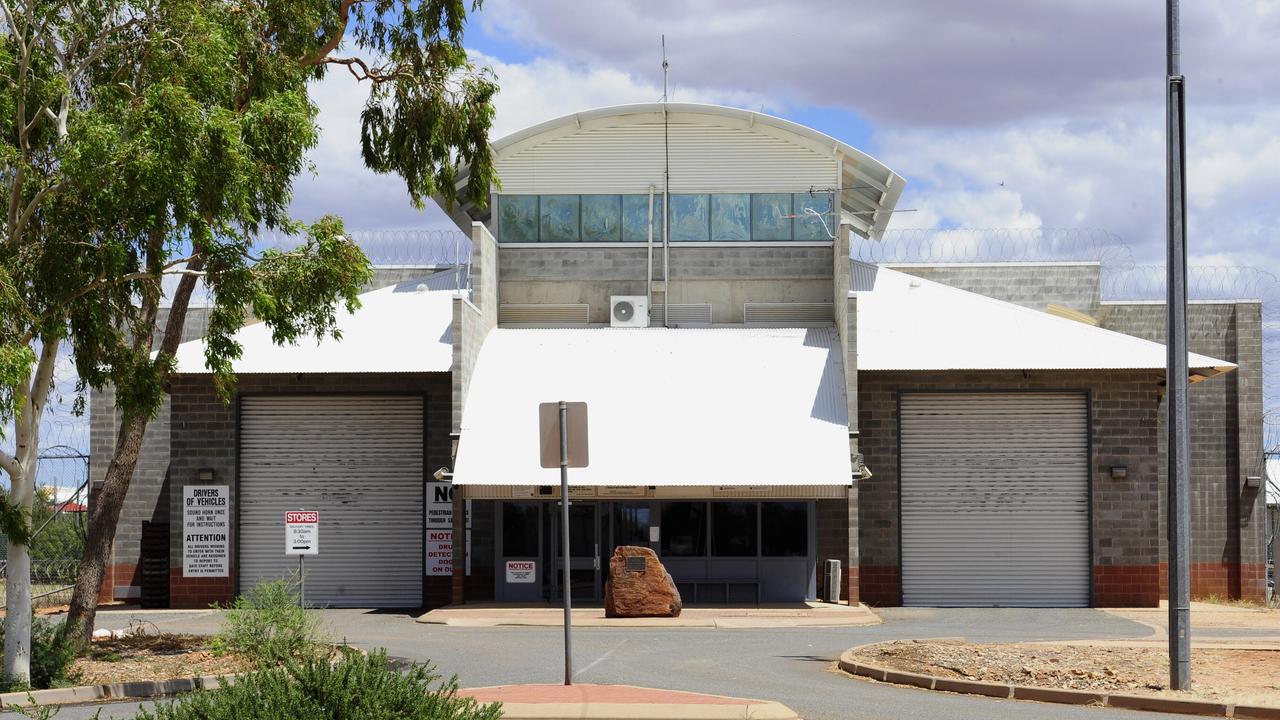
x=1150, y=703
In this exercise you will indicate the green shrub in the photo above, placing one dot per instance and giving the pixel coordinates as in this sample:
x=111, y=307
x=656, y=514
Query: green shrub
x=268, y=626
x=358, y=686
x=51, y=657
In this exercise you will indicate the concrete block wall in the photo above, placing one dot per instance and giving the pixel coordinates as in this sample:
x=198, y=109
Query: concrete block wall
x=473, y=318
x=1074, y=285
x=147, y=499
x=724, y=276
x=1125, y=523
x=203, y=433
x=1228, y=554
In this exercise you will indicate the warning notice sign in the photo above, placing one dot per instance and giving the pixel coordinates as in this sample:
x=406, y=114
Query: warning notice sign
x=206, y=528
x=439, y=552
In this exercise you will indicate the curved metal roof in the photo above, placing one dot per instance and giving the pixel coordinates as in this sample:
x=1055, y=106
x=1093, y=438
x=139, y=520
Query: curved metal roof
x=869, y=188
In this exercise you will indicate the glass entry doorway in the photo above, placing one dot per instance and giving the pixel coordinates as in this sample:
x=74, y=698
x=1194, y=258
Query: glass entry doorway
x=530, y=564
x=585, y=576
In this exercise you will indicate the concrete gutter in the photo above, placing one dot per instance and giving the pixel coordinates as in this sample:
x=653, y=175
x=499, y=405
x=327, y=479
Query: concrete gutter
x=621, y=702
x=814, y=615
x=139, y=690
x=1150, y=703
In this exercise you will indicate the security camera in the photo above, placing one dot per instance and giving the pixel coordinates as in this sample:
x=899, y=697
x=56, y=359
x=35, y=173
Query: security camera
x=441, y=474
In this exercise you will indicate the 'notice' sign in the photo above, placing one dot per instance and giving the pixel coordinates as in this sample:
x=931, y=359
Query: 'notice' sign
x=302, y=532
x=206, y=516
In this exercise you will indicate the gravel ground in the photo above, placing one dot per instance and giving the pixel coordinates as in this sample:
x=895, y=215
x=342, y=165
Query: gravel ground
x=1233, y=676
x=165, y=656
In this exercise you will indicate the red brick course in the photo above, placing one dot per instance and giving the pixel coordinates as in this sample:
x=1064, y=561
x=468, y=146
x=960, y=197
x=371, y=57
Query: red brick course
x=1229, y=581
x=1126, y=585
x=200, y=592
x=117, y=575
x=880, y=585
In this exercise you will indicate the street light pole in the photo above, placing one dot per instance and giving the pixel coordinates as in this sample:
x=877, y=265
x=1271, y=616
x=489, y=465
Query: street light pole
x=1179, y=456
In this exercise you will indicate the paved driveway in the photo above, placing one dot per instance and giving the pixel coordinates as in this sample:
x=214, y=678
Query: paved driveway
x=791, y=665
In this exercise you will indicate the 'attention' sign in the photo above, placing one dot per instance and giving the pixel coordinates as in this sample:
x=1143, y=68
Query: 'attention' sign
x=205, y=530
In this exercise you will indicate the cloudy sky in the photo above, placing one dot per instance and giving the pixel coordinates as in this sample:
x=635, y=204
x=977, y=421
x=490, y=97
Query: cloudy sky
x=1000, y=113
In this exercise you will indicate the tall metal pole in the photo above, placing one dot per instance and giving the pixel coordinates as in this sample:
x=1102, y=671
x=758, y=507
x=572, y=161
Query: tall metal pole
x=1179, y=521
x=564, y=540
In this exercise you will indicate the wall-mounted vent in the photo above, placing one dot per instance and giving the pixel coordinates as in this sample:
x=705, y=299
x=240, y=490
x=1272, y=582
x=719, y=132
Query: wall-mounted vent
x=681, y=314
x=544, y=315
x=796, y=314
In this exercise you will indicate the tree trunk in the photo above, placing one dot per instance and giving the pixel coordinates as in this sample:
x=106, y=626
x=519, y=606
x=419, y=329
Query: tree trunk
x=22, y=492
x=108, y=501
x=17, y=619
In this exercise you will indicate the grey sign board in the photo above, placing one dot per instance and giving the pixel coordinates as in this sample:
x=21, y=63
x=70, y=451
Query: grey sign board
x=549, y=432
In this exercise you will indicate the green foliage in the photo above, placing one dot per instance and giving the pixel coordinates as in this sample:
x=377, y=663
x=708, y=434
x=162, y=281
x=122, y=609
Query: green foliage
x=269, y=626
x=51, y=657
x=358, y=686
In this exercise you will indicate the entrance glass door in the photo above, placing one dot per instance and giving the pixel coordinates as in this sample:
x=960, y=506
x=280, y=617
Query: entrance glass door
x=584, y=551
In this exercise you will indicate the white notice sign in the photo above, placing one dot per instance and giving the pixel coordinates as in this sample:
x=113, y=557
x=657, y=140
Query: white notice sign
x=522, y=571
x=302, y=532
x=439, y=526
x=439, y=552
x=205, y=530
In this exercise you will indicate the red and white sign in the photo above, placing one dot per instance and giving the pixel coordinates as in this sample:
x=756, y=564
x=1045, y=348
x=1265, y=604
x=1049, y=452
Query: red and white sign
x=439, y=552
x=302, y=532
x=522, y=571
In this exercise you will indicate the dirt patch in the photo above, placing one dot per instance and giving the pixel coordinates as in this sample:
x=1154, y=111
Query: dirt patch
x=163, y=656
x=1233, y=676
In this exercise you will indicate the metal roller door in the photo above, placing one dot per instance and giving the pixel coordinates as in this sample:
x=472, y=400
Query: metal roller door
x=359, y=461
x=995, y=499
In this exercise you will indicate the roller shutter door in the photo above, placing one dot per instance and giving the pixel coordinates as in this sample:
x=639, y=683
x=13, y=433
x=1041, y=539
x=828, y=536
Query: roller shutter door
x=995, y=499
x=359, y=461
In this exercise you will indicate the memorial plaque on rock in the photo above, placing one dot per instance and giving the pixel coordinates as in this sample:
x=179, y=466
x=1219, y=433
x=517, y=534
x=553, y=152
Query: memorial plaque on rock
x=639, y=586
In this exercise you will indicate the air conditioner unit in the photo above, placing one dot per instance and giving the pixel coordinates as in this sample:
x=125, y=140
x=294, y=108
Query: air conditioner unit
x=831, y=581
x=628, y=311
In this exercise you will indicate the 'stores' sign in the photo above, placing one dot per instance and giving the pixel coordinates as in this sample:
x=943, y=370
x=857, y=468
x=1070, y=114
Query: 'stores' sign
x=302, y=532
x=206, y=530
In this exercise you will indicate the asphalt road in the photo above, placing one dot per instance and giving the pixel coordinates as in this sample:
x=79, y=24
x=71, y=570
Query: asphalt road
x=792, y=666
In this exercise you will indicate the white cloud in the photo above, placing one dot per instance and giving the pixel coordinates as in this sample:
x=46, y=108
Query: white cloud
x=544, y=89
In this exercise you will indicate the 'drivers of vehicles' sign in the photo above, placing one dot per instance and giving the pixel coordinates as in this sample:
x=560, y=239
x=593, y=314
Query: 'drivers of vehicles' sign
x=205, y=530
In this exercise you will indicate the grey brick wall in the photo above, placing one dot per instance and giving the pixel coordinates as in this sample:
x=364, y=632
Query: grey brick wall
x=725, y=277
x=1123, y=410
x=1227, y=521
x=1034, y=285
x=203, y=428
x=474, y=318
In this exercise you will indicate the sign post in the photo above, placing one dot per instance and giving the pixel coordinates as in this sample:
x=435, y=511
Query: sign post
x=302, y=538
x=564, y=424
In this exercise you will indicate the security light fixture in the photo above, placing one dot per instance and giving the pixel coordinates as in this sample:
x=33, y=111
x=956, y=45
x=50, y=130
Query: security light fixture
x=1119, y=472
x=441, y=474
x=1253, y=481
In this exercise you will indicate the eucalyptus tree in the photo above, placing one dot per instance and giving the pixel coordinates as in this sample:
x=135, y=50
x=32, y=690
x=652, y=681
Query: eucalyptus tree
x=146, y=144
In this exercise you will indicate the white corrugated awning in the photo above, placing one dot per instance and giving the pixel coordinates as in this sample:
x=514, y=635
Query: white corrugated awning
x=666, y=407
x=400, y=328
x=909, y=323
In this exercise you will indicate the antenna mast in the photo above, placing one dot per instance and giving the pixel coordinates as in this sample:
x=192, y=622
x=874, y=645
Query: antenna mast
x=665, y=66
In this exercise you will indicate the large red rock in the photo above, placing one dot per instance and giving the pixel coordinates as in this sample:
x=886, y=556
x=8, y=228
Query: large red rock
x=634, y=592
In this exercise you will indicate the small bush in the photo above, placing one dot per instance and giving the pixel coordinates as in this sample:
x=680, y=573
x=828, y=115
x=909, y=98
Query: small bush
x=51, y=658
x=268, y=626
x=358, y=686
